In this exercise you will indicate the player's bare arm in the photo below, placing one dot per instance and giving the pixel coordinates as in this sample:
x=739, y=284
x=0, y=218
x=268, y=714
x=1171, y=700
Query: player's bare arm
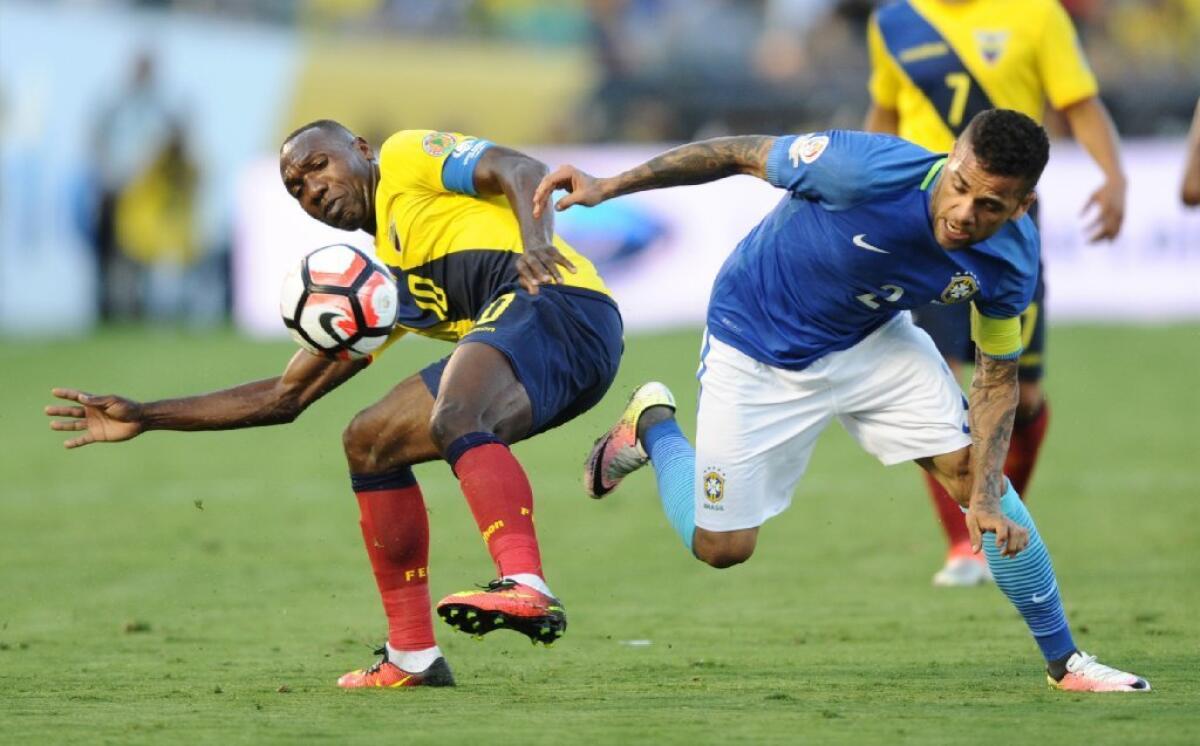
x=880, y=119
x=1094, y=129
x=1190, y=190
x=516, y=176
x=272, y=401
x=993, y=406
x=694, y=163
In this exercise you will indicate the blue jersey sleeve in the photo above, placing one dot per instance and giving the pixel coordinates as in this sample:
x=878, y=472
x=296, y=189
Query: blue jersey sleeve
x=1013, y=289
x=458, y=170
x=843, y=168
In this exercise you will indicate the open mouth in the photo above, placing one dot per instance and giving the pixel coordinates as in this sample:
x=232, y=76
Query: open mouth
x=954, y=233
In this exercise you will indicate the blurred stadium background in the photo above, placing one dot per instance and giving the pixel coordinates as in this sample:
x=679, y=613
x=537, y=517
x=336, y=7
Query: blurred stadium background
x=143, y=237
x=137, y=170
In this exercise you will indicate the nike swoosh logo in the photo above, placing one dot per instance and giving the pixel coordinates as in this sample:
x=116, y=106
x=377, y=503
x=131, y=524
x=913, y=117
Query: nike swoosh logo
x=860, y=242
x=1039, y=599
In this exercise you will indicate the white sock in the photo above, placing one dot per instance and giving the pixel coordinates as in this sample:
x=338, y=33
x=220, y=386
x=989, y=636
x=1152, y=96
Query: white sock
x=533, y=581
x=413, y=661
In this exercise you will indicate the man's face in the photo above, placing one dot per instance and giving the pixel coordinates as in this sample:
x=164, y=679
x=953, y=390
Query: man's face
x=331, y=176
x=969, y=204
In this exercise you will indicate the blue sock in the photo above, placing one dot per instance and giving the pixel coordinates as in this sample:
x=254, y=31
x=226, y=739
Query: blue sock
x=1028, y=581
x=674, y=462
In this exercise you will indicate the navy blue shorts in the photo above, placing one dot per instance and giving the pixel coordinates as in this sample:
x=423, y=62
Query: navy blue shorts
x=564, y=345
x=950, y=327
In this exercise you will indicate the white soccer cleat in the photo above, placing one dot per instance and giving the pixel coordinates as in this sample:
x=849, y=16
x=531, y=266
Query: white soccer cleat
x=1086, y=674
x=617, y=453
x=962, y=571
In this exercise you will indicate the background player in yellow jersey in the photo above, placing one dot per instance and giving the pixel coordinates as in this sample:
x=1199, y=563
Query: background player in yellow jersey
x=935, y=64
x=536, y=346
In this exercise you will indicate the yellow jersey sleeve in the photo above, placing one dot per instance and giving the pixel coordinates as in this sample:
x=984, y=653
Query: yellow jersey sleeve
x=430, y=161
x=1065, y=72
x=885, y=81
x=997, y=338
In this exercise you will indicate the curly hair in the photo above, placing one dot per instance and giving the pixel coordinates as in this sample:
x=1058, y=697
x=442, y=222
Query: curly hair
x=1008, y=143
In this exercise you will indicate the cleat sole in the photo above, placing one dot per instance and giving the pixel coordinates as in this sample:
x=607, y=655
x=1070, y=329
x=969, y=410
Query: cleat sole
x=544, y=629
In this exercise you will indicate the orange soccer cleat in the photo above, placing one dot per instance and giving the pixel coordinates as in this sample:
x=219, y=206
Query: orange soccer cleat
x=387, y=675
x=505, y=604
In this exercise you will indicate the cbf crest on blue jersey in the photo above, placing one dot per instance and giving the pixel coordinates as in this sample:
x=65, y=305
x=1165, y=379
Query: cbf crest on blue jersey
x=961, y=288
x=852, y=245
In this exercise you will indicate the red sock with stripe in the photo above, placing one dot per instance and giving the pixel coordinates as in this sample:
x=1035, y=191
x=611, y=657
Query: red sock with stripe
x=395, y=530
x=1023, y=450
x=498, y=492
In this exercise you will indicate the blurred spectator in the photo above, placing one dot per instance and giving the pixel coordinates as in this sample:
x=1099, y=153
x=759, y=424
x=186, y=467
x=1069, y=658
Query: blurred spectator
x=131, y=131
x=155, y=230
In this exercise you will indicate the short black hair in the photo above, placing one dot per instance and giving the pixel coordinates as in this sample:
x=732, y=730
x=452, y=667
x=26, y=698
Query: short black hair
x=1008, y=143
x=326, y=125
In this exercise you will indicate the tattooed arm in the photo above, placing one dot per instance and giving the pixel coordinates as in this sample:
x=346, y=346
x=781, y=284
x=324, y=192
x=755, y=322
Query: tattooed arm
x=694, y=163
x=993, y=407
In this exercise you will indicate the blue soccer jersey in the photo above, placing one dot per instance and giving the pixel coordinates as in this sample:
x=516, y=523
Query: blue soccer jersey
x=851, y=246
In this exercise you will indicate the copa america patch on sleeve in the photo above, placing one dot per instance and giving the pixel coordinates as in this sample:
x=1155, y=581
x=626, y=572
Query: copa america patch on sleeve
x=437, y=144
x=807, y=149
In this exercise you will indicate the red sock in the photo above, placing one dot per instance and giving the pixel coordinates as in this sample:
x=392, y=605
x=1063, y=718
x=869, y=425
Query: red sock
x=501, y=500
x=395, y=530
x=949, y=513
x=1023, y=449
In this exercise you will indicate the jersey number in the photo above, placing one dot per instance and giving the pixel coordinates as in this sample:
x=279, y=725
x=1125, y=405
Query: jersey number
x=495, y=308
x=870, y=300
x=960, y=83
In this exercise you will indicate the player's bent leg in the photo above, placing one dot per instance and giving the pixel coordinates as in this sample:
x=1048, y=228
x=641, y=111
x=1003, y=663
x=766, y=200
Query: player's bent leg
x=480, y=407
x=380, y=444
x=621, y=451
x=950, y=478
x=1029, y=583
x=722, y=549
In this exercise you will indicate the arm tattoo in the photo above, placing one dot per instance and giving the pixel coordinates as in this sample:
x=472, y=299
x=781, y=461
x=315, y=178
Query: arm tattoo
x=698, y=163
x=994, y=396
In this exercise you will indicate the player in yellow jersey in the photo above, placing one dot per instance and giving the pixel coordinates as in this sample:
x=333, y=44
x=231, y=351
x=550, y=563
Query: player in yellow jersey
x=538, y=337
x=935, y=64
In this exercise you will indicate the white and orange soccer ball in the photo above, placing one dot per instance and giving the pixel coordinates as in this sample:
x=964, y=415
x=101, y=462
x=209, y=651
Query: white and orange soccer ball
x=340, y=302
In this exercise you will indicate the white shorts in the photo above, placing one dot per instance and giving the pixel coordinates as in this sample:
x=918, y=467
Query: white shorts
x=757, y=424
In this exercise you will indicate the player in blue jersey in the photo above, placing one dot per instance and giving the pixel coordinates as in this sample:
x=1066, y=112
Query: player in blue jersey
x=808, y=322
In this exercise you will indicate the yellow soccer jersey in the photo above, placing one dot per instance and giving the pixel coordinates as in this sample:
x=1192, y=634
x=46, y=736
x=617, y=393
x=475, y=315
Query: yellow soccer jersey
x=450, y=249
x=938, y=63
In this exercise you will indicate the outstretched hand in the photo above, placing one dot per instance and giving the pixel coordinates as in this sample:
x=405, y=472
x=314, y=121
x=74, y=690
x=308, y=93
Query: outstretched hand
x=102, y=419
x=1109, y=204
x=1010, y=538
x=583, y=187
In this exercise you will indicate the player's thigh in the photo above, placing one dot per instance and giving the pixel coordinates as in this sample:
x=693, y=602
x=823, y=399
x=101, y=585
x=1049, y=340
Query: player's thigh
x=953, y=471
x=563, y=349
x=479, y=392
x=756, y=428
x=392, y=432
x=898, y=398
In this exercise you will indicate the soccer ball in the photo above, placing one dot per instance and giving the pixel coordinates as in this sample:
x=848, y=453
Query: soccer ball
x=340, y=303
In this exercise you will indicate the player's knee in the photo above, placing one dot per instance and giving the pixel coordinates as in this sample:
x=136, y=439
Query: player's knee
x=451, y=420
x=358, y=446
x=722, y=550
x=1030, y=401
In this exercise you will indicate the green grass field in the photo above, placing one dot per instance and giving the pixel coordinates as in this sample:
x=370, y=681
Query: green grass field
x=209, y=588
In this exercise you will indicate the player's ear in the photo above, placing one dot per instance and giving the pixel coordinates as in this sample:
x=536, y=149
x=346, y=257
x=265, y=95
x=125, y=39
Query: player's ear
x=363, y=147
x=1023, y=207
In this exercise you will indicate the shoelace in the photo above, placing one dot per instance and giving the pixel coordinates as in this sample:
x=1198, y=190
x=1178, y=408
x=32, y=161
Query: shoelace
x=380, y=651
x=1087, y=665
x=497, y=585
